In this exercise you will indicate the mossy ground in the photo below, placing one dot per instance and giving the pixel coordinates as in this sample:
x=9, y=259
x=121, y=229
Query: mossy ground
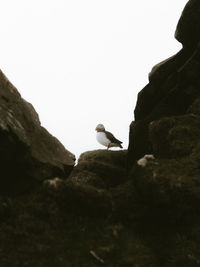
x=142, y=221
x=37, y=230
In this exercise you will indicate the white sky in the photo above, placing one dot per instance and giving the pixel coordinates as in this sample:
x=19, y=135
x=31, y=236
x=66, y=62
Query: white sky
x=82, y=62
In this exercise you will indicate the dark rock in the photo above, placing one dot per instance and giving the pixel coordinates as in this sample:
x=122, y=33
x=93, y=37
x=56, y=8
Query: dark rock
x=103, y=213
x=100, y=168
x=81, y=176
x=163, y=69
x=139, y=144
x=175, y=137
x=117, y=158
x=28, y=153
x=195, y=107
x=174, y=85
x=163, y=194
x=78, y=197
x=188, y=28
x=84, y=200
x=125, y=205
x=170, y=188
x=86, y=192
x=59, y=228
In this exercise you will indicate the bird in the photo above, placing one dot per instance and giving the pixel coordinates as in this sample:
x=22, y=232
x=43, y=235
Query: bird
x=106, y=138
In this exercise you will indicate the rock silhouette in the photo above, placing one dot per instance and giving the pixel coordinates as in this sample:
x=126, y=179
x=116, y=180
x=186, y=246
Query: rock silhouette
x=173, y=84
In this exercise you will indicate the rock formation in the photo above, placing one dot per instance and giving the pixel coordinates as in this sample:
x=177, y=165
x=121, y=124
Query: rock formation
x=116, y=208
x=173, y=87
x=28, y=153
x=167, y=125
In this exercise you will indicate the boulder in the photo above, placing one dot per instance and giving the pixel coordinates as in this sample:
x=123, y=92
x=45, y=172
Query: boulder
x=100, y=168
x=28, y=152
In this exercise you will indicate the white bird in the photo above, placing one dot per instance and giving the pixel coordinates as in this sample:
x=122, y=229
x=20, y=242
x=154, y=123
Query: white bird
x=106, y=138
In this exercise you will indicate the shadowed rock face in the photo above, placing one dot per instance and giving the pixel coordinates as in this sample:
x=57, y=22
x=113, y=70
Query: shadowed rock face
x=188, y=28
x=167, y=125
x=28, y=153
x=174, y=84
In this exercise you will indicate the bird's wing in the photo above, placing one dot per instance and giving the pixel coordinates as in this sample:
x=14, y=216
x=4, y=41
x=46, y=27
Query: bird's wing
x=111, y=137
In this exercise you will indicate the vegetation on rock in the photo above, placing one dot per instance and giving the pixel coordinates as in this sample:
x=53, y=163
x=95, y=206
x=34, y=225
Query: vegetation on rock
x=114, y=209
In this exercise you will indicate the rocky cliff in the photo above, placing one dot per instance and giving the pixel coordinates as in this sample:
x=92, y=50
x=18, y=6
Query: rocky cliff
x=173, y=87
x=137, y=208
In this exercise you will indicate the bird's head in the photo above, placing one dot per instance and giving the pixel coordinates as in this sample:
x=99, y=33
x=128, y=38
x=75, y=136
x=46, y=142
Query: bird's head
x=100, y=128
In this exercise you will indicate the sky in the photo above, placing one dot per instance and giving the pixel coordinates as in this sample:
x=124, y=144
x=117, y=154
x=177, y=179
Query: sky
x=83, y=62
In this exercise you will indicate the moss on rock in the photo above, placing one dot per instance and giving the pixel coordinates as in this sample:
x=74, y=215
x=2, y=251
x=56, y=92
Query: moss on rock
x=101, y=168
x=175, y=137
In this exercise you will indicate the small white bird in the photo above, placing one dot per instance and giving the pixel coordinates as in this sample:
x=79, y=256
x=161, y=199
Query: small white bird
x=106, y=138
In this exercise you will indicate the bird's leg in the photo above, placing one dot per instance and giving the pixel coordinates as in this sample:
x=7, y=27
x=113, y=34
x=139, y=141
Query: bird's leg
x=108, y=146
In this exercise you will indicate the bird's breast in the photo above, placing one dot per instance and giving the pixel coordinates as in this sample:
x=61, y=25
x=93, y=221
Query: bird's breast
x=102, y=139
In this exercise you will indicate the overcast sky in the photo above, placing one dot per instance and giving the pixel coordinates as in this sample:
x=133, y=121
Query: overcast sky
x=82, y=62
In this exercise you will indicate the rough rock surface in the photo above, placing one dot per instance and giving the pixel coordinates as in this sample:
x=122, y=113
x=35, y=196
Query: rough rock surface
x=108, y=213
x=167, y=117
x=28, y=153
x=174, y=84
x=188, y=28
x=79, y=221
